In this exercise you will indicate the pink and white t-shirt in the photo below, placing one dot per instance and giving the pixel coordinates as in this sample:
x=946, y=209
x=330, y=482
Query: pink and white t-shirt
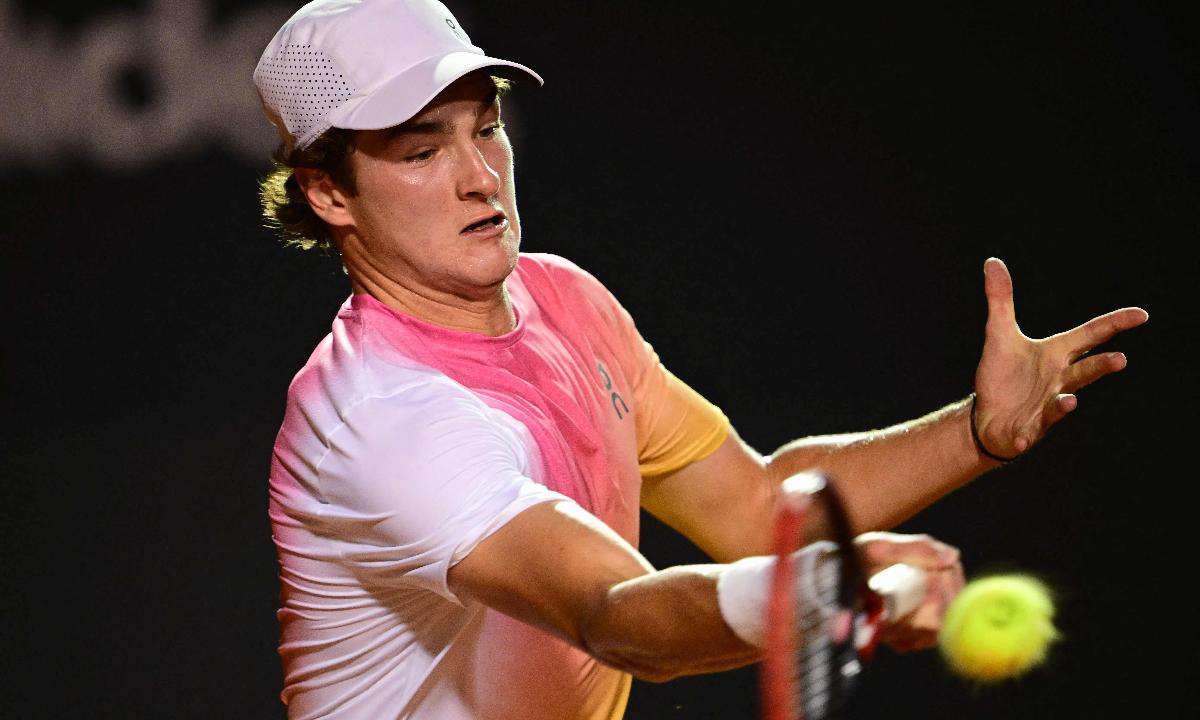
x=405, y=444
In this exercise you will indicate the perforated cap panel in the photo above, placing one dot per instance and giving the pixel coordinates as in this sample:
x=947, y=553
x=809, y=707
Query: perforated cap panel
x=363, y=65
x=303, y=86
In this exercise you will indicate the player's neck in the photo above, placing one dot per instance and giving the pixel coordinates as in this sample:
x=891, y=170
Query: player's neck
x=490, y=314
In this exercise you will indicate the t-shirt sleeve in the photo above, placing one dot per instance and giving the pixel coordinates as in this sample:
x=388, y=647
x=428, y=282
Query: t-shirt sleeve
x=412, y=482
x=676, y=426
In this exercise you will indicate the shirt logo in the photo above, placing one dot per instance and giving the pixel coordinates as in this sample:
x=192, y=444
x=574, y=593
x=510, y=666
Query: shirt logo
x=617, y=402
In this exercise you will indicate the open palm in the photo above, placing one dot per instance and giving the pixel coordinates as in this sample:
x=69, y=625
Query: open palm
x=1025, y=385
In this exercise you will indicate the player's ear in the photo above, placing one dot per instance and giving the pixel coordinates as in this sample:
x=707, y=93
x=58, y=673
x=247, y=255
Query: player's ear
x=325, y=196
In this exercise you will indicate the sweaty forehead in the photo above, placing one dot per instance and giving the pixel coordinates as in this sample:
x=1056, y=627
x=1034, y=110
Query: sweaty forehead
x=460, y=104
x=475, y=92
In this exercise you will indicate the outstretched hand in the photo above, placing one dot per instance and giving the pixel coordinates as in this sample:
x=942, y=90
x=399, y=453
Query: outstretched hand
x=1024, y=385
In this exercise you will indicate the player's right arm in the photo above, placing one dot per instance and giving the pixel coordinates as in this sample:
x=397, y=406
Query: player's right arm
x=426, y=488
x=559, y=568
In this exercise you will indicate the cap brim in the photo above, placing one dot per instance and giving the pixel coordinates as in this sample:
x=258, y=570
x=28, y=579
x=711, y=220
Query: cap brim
x=402, y=97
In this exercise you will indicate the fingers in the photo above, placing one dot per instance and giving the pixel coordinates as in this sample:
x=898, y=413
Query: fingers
x=1065, y=403
x=881, y=549
x=942, y=586
x=955, y=579
x=919, y=629
x=1056, y=408
x=1090, y=369
x=1099, y=330
x=1077, y=375
x=916, y=631
x=997, y=286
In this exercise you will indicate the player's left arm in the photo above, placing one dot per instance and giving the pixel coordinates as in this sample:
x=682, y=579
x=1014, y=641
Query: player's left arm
x=723, y=502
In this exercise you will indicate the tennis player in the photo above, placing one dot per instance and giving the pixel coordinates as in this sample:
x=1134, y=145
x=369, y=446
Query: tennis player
x=455, y=488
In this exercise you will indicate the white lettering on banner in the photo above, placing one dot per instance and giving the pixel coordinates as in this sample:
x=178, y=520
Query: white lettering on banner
x=61, y=95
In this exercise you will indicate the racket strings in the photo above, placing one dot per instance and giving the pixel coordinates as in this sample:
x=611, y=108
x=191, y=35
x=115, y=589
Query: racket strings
x=820, y=669
x=813, y=615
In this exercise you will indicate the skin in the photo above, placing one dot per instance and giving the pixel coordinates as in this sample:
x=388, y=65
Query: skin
x=399, y=235
x=559, y=568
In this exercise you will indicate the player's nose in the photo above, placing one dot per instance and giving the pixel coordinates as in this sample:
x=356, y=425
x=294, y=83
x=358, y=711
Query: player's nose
x=475, y=176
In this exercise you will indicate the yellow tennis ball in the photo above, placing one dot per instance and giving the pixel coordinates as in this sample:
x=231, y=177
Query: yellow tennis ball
x=998, y=627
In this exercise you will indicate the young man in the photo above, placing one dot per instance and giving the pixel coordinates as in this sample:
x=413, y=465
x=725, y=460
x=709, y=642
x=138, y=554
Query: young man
x=456, y=484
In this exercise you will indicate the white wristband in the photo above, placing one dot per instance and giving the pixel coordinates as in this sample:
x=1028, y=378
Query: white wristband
x=744, y=586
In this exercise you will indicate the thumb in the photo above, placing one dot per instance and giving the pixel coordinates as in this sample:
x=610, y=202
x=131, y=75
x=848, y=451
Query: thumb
x=998, y=288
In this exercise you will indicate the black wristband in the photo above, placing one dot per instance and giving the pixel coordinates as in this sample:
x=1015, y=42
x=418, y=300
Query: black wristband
x=978, y=442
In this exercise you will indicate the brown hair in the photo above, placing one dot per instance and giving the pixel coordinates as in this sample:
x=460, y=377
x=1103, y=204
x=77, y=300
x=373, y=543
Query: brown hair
x=283, y=202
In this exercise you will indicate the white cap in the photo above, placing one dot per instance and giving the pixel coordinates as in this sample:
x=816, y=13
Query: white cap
x=364, y=65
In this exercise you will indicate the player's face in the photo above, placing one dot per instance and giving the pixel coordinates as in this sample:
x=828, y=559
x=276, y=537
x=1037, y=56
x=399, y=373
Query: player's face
x=436, y=208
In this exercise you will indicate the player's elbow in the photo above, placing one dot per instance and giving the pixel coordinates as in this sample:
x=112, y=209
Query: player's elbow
x=666, y=656
x=619, y=629
x=643, y=663
x=662, y=627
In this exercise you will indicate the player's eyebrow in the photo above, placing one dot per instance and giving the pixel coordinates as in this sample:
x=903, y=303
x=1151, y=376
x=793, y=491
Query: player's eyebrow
x=437, y=127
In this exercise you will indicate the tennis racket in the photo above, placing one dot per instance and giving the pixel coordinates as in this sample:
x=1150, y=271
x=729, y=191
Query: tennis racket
x=823, y=613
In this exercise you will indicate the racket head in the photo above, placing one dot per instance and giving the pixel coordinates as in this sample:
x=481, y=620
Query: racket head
x=818, y=610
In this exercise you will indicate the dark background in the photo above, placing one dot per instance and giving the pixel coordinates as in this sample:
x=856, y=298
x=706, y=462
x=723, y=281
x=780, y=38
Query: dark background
x=795, y=204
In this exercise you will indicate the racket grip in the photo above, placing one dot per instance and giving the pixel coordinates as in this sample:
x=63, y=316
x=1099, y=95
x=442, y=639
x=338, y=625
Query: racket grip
x=902, y=588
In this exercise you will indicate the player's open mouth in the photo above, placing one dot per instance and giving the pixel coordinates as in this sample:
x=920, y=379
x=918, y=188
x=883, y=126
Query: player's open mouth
x=486, y=224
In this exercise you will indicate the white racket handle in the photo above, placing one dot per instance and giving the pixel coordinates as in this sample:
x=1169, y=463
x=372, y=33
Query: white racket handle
x=902, y=588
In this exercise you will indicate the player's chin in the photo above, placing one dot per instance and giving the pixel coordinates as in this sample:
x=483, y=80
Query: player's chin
x=488, y=268
x=503, y=262
x=498, y=253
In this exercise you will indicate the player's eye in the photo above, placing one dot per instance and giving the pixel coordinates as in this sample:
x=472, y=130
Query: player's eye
x=491, y=130
x=420, y=156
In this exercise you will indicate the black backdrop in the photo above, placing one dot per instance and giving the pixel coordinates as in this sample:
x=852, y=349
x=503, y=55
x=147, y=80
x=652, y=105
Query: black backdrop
x=795, y=204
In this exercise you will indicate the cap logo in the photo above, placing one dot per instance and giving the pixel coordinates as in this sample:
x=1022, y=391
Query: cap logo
x=454, y=28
